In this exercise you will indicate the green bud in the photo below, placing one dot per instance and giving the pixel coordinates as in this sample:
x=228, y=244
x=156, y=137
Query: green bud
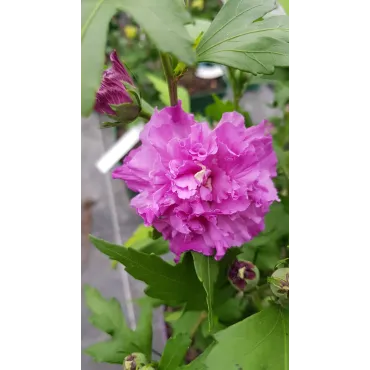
x=134, y=361
x=243, y=275
x=279, y=283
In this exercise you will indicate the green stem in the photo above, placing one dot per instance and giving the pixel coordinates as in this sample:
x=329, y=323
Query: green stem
x=201, y=318
x=146, y=110
x=171, y=82
x=234, y=87
x=145, y=115
x=256, y=300
x=256, y=256
x=263, y=286
x=235, y=102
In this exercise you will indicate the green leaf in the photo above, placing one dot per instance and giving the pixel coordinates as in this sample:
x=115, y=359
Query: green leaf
x=234, y=40
x=277, y=220
x=109, y=352
x=96, y=15
x=199, y=362
x=142, y=240
x=173, y=316
x=281, y=74
x=277, y=225
x=155, y=234
x=187, y=323
x=282, y=155
x=174, y=352
x=201, y=342
x=161, y=86
x=285, y=5
x=231, y=310
x=194, y=366
x=145, y=301
x=218, y=108
x=258, y=342
x=281, y=94
x=265, y=256
x=143, y=332
x=207, y=269
x=146, y=107
x=264, y=250
x=216, y=327
x=163, y=21
x=107, y=316
x=174, y=284
x=196, y=28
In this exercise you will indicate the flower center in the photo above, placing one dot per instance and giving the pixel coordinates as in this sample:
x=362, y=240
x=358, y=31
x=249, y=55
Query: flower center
x=203, y=176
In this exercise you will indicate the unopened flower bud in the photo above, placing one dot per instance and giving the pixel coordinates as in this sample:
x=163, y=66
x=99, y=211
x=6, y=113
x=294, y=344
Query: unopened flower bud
x=117, y=96
x=129, y=363
x=134, y=361
x=279, y=283
x=243, y=275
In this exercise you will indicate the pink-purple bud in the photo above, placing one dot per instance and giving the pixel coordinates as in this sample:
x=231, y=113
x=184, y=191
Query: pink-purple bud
x=112, y=90
x=243, y=275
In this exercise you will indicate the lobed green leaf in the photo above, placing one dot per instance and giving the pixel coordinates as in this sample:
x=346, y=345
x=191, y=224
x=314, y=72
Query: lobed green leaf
x=174, y=352
x=236, y=40
x=258, y=342
x=107, y=316
x=174, y=284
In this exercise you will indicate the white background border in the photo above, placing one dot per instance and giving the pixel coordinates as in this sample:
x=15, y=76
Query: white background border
x=40, y=151
x=40, y=155
x=329, y=184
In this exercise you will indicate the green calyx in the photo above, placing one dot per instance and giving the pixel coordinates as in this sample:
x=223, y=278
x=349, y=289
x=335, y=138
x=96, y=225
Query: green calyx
x=126, y=112
x=279, y=283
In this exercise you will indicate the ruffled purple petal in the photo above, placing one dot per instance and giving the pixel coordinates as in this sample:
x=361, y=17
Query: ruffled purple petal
x=204, y=190
x=118, y=71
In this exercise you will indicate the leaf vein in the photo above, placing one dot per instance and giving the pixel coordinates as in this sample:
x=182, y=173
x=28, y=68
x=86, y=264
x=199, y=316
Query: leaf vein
x=146, y=268
x=243, y=34
x=90, y=18
x=230, y=20
x=264, y=338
